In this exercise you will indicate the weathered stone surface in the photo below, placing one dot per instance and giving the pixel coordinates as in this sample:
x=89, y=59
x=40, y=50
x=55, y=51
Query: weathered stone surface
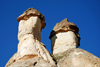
x=31, y=22
x=33, y=62
x=11, y=60
x=30, y=27
x=63, y=41
x=32, y=12
x=77, y=58
x=64, y=26
x=64, y=36
x=26, y=52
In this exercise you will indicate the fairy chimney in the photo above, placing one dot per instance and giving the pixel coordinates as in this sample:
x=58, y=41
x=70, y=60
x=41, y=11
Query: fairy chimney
x=64, y=43
x=65, y=40
x=64, y=36
x=31, y=22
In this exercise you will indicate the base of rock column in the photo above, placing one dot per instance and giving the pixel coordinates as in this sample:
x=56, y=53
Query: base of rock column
x=77, y=58
x=33, y=62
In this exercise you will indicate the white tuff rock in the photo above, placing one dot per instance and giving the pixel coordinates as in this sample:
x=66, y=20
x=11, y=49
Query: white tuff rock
x=31, y=22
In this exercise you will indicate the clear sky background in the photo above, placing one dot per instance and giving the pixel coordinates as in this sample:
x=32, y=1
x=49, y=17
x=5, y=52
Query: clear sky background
x=84, y=13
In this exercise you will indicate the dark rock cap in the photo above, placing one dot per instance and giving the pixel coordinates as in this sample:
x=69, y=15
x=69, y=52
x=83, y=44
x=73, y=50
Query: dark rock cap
x=65, y=26
x=32, y=12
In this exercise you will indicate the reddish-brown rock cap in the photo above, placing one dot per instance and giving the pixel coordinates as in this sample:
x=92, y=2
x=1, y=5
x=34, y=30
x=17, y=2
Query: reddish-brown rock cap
x=32, y=12
x=65, y=26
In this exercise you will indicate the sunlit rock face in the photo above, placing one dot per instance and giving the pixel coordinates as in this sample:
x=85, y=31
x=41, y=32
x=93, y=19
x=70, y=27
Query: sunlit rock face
x=77, y=58
x=63, y=41
x=64, y=36
x=29, y=32
x=30, y=27
x=33, y=62
x=31, y=23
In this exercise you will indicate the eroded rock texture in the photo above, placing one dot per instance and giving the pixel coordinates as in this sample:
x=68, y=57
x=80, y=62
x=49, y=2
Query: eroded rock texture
x=31, y=22
x=64, y=36
x=33, y=62
x=32, y=12
x=77, y=58
x=64, y=43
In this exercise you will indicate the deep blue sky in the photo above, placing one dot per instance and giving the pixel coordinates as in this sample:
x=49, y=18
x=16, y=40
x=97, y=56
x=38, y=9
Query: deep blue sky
x=84, y=13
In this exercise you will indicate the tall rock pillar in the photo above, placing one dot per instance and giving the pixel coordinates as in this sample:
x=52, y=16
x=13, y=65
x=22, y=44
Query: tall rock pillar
x=64, y=42
x=64, y=36
x=31, y=22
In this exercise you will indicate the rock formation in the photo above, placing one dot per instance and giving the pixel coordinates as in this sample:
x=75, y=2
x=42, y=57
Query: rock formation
x=64, y=44
x=64, y=34
x=31, y=22
x=65, y=41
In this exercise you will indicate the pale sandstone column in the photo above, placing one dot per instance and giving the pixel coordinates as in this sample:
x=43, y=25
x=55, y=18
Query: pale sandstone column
x=64, y=43
x=31, y=22
x=64, y=36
